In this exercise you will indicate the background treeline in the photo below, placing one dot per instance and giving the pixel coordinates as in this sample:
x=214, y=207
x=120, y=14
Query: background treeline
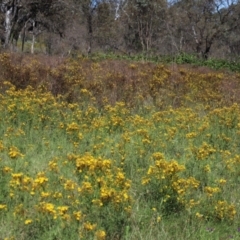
x=201, y=28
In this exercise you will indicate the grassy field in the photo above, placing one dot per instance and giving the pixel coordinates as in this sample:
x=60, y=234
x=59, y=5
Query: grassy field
x=116, y=149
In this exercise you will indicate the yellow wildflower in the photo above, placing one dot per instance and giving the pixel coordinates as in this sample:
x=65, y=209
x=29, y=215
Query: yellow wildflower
x=3, y=207
x=88, y=226
x=100, y=235
x=199, y=215
x=28, y=221
x=77, y=215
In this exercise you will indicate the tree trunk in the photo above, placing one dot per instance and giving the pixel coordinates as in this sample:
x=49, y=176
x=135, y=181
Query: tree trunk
x=90, y=32
x=33, y=43
x=8, y=26
x=207, y=50
x=23, y=37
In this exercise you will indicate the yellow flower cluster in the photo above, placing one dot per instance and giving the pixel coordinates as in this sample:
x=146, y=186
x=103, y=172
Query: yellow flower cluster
x=96, y=182
x=14, y=152
x=204, y=151
x=211, y=190
x=79, y=164
x=224, y=210
x=163, y=178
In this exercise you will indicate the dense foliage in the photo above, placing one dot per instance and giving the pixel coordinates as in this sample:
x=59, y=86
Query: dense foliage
x=206, y=29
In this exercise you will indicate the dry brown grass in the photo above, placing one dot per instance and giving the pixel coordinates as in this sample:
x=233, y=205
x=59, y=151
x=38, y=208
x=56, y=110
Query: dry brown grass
x=118, y=80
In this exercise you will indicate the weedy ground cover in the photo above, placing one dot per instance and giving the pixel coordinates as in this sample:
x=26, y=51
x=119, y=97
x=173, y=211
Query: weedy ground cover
x=117, y=150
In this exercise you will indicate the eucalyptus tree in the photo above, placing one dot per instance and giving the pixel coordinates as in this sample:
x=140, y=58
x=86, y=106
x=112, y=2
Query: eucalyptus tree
x=231, y=39
x=99, y=18
x=10, y=16
x=145, y=20
x=203, y=22
x=31, y=16
x=87, y=10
